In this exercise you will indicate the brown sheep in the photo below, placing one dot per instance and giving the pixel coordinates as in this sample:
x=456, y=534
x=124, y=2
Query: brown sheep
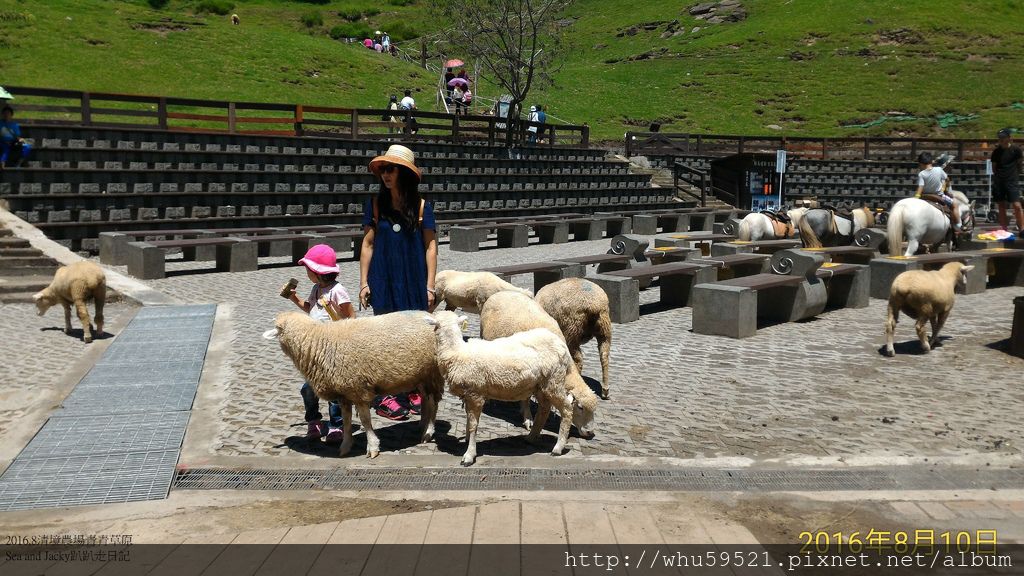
x=581, y=309
x=926, y=296
x=76, y=284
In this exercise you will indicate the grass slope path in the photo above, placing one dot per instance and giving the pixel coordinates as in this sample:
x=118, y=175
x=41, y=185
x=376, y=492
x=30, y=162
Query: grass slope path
x=791, y=67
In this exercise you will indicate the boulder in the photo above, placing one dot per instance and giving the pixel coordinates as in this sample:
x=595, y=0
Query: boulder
x=702, y=8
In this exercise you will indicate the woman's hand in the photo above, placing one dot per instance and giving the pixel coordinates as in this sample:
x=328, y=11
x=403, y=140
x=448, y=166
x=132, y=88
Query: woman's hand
x=430, y=300
x=364, y=296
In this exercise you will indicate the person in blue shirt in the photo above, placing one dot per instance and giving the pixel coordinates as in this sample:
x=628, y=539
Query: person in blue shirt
x=13, y=148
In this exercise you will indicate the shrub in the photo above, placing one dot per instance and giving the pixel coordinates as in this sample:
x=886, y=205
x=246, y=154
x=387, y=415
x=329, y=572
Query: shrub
x=400, y=31
x=158, y=4
x=370, y=12
x=219, y=7
x=401, y=2
x=351, y=30
x=315, y=1
x=350, y=14
x=312, y=19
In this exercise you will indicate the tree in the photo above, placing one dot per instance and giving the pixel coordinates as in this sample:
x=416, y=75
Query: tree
x=515, y=41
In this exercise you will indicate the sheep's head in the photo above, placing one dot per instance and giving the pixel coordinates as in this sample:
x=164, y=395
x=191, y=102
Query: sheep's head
x=287, y=326
x=446, y=319
x=583, y=402
x=44, y=300
x=963, y=274
x=958, y=270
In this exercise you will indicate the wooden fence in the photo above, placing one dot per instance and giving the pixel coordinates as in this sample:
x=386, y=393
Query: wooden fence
x=71, y=107
x=902, y=149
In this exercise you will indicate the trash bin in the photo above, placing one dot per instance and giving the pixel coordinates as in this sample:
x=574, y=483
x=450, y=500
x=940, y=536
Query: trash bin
x=1017, y=332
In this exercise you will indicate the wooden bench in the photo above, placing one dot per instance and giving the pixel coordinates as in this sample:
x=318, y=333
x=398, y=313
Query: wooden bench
x=732, y=307
x=1005, y=266
x=702, y=240
x=676, y=279
x=146, y=260
x=544, y=273
x=847, y=285
x=885, y=270
x=737, y=265
x=666, y=254
x=846, y=254
x=759, y=246
x=604, y=262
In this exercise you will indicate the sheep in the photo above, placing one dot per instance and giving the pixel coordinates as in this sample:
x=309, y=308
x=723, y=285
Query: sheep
x=926, y=296
x=469, y=290
x=355, y=360
x=581, y=309
x=507, y=313
x=235, y=20
x=76, y=284
x=531, y=363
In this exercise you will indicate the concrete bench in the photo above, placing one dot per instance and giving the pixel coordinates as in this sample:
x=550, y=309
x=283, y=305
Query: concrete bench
x=114, y=245
x=665, y=254
x=737, y=265
x=732, y=307
x=702, y=240
x=846, y=254
x=676, y=279
x=604, y=262
x=468, y=238
x=1005, y=266
x=759, y=246
x=875, y=238
x=848, y=285
x=544, y=273
x=146, y=260
x=885, y=270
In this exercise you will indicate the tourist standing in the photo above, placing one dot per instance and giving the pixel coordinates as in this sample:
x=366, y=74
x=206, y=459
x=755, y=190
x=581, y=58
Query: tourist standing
x=531, y=130
x=542, y=118
x=13, y=148
x=385, y=42
x=399, y=252
x=1007, y=163
x=458, y=98
x=408, y=103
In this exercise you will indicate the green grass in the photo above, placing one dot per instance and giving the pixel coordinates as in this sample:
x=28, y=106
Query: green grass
x=735, y=78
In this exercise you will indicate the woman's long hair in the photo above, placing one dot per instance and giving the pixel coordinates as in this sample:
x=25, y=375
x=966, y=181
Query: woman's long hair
x=409, y=190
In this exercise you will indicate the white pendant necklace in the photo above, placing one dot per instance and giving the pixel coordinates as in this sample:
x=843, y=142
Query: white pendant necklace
x=396, y=227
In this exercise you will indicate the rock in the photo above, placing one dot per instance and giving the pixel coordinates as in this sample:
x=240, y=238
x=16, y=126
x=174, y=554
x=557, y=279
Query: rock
x=678, y=33
x=600, y=46
x=666, y=35
x=701, y=8
x=695, y=30
x=566, y=22
x=773, y=127
x=716, y=19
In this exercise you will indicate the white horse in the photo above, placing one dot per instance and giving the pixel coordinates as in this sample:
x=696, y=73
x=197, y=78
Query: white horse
x=924, y=224
x=759, y=226
x=822, y=227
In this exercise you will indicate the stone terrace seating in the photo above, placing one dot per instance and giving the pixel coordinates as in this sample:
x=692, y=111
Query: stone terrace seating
x=90, y=180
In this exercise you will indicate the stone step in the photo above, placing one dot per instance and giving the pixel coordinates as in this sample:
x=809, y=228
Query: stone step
x=5, y=232
x=27, y=251
x=14, y=262
x=21, y=288
x=13, y=242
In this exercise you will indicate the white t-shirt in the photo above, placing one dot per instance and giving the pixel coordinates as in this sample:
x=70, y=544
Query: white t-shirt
x=932, y=180
x=335, y=294
x=533, y=117
x=408, y=103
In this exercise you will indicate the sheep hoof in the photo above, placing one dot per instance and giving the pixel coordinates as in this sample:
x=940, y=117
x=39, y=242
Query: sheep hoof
x=87, y=340
x=372, y=453
x=604, y=393
x=586, y=434
x=890, y=352
x=467, y=463
x=528, y=424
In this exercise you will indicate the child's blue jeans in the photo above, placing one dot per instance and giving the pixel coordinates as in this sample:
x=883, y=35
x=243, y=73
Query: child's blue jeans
x=312, y=403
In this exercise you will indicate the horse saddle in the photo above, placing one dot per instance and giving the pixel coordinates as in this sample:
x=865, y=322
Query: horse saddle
x=938, y=203
x=840, y=212
x=782, y=224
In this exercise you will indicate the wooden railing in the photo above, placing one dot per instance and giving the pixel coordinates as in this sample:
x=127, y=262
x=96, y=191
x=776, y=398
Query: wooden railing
x=71, y=107
x=906, y=149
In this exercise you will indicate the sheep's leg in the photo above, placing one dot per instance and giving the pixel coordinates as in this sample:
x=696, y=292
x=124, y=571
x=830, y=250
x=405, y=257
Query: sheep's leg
x=474, y=406
x=67, y=317
x=604, y=348
x=543, y=410
x=99, y=297
x=346, y=428
x=524, y=408
x=890, y=328
x=83, y=316
x=372, y=442
x=565, y=409
x=922, y=332
x=428, y=413
x=937, y=323
x=577, y=357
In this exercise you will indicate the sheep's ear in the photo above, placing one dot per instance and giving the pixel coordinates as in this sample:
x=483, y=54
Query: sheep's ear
x=271, y=334
x=430, y=320
x=967, y=269
x=570, y=399
x=37, y=296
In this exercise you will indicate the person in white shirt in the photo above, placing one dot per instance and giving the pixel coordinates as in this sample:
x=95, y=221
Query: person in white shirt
x=532, y=130
x=409, y=104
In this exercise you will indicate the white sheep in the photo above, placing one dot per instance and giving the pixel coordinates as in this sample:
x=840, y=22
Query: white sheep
x=507, y=313
x=581, y=309
x=353, y=361
x=531, y=363
x=469, y=290
x=926, y=296
x=76, y=284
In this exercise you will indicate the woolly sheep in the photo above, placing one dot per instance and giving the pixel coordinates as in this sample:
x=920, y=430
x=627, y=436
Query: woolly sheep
x=469, y=290
x=531, y=363
x=507, y=313
x=76, y=284
x=354, y=360
x=926, y=296
x=581, y=309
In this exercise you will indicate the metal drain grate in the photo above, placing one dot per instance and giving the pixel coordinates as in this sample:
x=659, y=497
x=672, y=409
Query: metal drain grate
x=690, y=479
x=89, y=452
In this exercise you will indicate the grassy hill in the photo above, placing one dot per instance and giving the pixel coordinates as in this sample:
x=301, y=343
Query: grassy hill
x=793, y=67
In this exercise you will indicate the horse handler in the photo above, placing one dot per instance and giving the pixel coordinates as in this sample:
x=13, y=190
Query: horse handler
x=1007, y=164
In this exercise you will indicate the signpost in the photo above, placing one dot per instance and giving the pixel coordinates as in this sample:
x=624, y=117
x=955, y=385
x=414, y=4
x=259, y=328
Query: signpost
x=780, y=169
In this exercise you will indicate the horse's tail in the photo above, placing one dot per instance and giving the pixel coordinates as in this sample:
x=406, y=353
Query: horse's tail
x=807, y=236
x=744, y=231
x=894, y=230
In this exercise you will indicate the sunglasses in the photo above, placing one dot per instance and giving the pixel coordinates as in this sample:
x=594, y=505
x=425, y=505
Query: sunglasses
x=388, y=168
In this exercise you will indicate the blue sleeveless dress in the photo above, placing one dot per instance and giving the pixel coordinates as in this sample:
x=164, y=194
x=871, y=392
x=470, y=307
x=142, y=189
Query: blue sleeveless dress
x=398, y=269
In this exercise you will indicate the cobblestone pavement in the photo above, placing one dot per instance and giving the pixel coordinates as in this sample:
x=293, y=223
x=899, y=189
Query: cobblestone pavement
x=815, y=388
x=36, y=354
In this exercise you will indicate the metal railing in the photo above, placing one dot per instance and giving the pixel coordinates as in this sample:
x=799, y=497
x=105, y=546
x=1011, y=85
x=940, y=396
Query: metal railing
x=72, y=107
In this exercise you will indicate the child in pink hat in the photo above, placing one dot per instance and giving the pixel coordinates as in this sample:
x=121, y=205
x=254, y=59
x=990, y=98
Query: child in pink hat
x=327, y=301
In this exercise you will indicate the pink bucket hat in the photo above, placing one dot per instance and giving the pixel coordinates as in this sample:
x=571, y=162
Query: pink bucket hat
x=321, y=259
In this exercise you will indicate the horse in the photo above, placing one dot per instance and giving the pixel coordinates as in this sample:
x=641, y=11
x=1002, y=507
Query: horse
x=821, y=227
x=925, y=224
x=760, y=226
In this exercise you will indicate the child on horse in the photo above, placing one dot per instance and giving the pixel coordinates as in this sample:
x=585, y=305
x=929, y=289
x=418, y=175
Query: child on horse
x=933, y=182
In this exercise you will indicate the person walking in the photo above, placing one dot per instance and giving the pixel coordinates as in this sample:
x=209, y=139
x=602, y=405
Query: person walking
x=408, y=103
x=542, y=118
x=14, y=149
x=531, y=130
x=399, y=252
x=1007, y=164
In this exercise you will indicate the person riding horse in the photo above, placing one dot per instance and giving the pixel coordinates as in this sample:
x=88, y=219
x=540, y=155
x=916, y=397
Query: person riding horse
x=932, y=185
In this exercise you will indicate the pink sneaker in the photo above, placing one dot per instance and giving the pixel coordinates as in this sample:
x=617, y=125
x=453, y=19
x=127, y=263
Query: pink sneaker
x=390, y=408
x=415, y=402
x=334, y=436
x=315, y=429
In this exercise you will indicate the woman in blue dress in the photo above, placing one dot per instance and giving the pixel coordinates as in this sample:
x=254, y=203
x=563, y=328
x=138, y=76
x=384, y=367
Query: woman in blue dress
x=399, y=253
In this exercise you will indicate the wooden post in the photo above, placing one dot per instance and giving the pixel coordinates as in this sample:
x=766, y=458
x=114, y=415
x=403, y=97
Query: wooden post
x=355, y=123
x=867, y=149
x=742, y=139
x=700, y=142
x=913, y=149
x=585, y=135
x=960, y=150
x=161, y=113
x=490, y=131
x=298, y=119
x=232, y=118
x=455, y=129
x=86, y=110
x=824, y=148
x=629, y=144
x=423, y=53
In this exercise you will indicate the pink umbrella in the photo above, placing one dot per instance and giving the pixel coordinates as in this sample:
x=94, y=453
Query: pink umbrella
x=457, y=81
x=453, y=63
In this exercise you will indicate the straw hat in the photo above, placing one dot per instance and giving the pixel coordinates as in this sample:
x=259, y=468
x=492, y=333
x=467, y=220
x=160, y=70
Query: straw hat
x=398, y=155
